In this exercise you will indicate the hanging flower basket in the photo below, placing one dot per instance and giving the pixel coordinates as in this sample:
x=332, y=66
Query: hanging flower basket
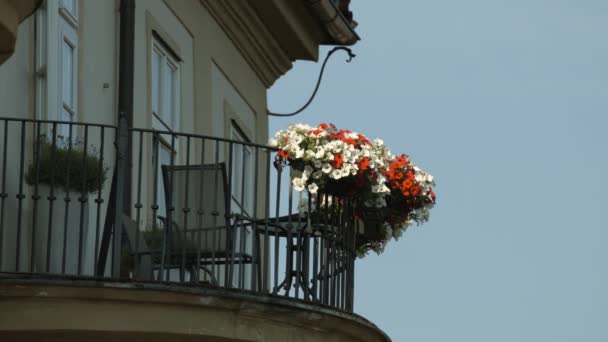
x=373, y=224
x=388, y=192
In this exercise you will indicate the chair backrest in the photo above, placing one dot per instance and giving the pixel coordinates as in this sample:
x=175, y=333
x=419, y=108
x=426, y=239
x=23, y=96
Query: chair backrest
x=200, y=198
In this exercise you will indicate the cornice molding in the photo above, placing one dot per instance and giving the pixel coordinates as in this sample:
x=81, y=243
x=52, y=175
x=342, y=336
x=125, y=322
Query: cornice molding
x=253, y=39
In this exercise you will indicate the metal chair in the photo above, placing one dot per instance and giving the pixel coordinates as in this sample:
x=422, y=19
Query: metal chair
x=200, y=233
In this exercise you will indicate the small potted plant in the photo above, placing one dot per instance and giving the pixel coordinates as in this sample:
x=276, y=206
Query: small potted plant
x=61, y=175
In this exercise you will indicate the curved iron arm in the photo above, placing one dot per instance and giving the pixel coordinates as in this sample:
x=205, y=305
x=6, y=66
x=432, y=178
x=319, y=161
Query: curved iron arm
x=351, y=55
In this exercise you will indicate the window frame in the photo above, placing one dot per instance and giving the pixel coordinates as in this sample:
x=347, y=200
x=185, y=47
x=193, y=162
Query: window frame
x=68, y=34
x=160, y=119
x=246, y=185
x=69, y=14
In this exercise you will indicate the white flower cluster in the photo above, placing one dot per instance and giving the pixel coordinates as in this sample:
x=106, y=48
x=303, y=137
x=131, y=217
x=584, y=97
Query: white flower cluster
x=327, y=157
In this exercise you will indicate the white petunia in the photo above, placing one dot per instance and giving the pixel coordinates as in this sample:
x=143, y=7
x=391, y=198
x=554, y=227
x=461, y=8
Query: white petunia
x=313, y=188
x=381, y=188
x=297, y=139
x=336, y=174
x=298, y=183
x=326, y=168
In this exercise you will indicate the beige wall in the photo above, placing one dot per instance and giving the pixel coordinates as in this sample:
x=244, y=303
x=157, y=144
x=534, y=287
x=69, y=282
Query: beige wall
x=98, y=50
x=17, y=75
x=213, y=49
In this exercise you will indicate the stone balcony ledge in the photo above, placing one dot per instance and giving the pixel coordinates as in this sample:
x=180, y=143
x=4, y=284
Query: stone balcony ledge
x=73, y=309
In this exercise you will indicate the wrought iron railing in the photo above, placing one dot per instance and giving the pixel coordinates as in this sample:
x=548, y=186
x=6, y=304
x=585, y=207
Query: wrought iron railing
x=108, y=202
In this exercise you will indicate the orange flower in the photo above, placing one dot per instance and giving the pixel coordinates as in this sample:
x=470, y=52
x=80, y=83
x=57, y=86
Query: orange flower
x=338, y=161
x=411, y=176
x=364, y=164
x=398, y=175
x=401, y=160
x=283, y=154
x=364, y=140
x=407, y=184
x=416, y=190
x=323, y=126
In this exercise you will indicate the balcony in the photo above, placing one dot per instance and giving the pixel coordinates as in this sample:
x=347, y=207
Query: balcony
x=126, y=216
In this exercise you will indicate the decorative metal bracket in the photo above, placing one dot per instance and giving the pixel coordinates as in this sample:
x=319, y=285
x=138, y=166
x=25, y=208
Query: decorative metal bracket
x=351, y=55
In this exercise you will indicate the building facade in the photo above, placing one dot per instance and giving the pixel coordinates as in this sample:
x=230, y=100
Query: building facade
x=138, y=197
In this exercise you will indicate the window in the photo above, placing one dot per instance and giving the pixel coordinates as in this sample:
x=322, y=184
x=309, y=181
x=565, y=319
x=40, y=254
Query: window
x=242, y=174
x=165, y=105
x=165, y=87
x=56, y=62
x=68, y=81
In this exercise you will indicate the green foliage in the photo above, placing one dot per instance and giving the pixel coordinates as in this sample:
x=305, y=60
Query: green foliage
x=67, y=167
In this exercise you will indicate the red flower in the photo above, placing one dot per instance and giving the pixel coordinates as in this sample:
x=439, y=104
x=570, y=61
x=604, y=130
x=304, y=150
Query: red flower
x=407, y=184
x=394, y=165
x=338, y=161
x=401, y=160
x=323, y=126
x=411, y=176
x=364, y=140
x=364, y=164
x=283, y=154
x=416, y=189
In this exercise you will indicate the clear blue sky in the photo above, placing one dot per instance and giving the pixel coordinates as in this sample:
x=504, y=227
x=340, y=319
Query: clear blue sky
x=506, y=103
